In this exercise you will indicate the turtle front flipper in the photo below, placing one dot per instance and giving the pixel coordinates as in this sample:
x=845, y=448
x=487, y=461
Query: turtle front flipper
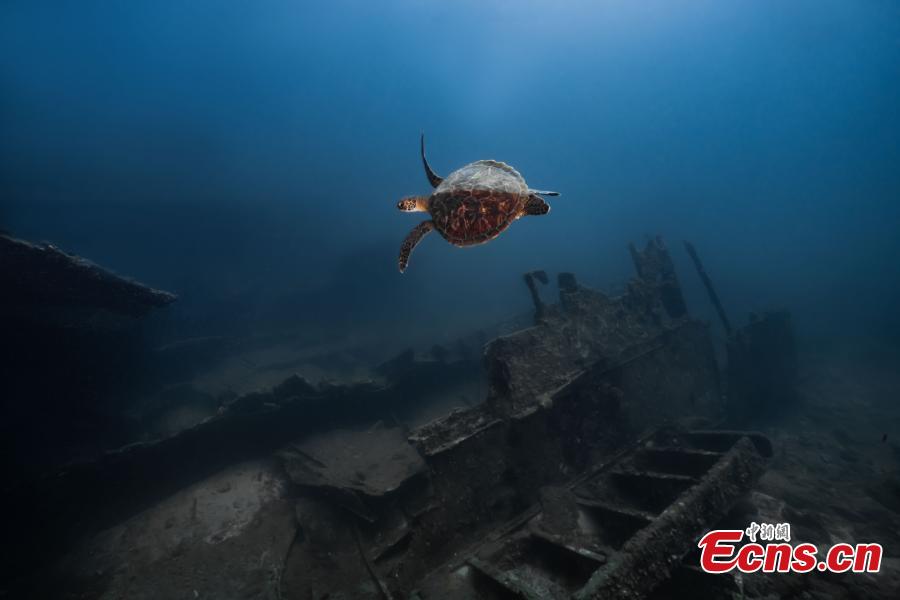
x=415, y=236
x=434, y=179
x=544, y=193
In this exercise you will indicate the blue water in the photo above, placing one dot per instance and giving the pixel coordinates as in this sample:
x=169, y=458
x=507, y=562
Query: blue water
x=249, y=156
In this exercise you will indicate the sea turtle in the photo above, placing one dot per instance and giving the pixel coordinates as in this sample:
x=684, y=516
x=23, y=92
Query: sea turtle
x=473, y=205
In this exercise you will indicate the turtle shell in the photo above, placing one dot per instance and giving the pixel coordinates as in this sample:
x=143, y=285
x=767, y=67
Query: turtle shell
x=476, y=203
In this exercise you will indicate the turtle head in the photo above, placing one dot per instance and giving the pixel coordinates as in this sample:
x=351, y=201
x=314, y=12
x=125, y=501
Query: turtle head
x=413, y=204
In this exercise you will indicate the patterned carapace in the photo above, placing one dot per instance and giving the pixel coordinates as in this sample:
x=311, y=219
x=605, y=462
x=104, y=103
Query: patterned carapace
x=477, y=202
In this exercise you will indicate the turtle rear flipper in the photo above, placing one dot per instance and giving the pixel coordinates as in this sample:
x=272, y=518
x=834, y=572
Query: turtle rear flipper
x=415, y=236
x=535, y=206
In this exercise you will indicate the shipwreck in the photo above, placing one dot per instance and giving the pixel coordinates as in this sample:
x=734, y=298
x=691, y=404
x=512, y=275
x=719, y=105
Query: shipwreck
x=603, y=446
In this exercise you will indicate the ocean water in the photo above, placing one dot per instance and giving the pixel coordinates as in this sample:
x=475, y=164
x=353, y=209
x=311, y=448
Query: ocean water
x=240, y=155
x=249, y=157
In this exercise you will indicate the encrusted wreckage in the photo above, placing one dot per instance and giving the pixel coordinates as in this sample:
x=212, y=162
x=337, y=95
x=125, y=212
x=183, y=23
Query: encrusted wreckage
x=589, y=470
x=578, y=476
x=35, y=276
x=618, y=530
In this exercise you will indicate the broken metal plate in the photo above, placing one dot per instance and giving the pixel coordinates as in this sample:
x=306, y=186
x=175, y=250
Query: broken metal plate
x=373, y=462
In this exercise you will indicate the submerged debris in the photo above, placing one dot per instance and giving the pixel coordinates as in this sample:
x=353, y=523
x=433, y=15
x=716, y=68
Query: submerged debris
x=37, y=276
x=762, y=367
x=762, y=357
x=616, y=532
x=530, y=279
x=545, y=486
x=707, y=283
x=352, y=467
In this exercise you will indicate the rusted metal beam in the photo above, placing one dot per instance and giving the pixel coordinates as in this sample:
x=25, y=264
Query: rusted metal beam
x=707, y=283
